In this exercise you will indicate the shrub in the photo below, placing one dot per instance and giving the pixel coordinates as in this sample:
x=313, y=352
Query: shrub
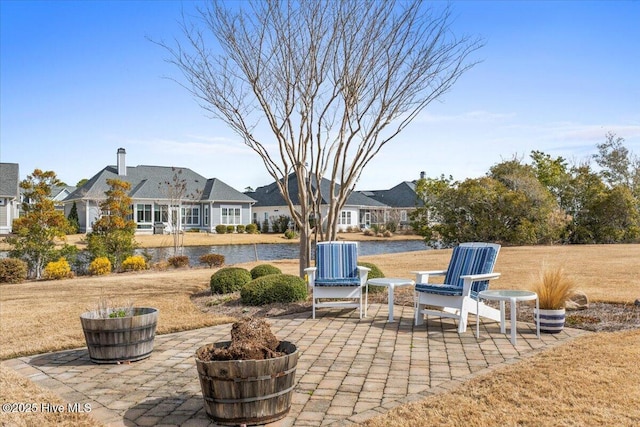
x=57, y=270
x=13, y=270
x=100, y=266
x=212, y=260
x=229, y=279
x=240, y=228
x=290, y=234
x=369, y=232
x=179, y=261
x=251, y=228
x=134, y=263
x=392, y=226
x=264, y=270
x=375, y=273
x=231, y=228
x=282, y=288
x=387, y=233
x=221, y=228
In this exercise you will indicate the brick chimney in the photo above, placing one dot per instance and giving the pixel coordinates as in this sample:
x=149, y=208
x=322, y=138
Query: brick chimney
x=122, y=166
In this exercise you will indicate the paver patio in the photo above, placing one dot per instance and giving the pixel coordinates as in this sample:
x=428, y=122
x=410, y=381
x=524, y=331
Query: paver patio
x=349, y=370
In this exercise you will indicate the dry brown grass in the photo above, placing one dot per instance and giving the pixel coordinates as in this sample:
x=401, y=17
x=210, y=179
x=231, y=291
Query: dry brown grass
x=583, y=383
x=596, y=376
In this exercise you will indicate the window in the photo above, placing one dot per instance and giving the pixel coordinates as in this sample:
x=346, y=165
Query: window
x=144, y=213
x=403, y=216
x=345, y=218
x=206, y=215
x=190, y=215
x=161, y=213
x=230, y=215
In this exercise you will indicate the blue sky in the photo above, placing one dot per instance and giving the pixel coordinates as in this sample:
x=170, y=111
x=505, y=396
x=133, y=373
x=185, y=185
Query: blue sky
x=78, y=80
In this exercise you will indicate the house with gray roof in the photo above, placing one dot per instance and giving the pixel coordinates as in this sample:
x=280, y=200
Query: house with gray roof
x=270, y=204
x=158, y=206
x=400, y=201
x=9, y=196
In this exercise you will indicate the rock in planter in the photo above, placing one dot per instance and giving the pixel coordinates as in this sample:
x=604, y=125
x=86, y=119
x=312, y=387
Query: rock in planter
x=577, y=301
x=250, y=379
x=120, y=339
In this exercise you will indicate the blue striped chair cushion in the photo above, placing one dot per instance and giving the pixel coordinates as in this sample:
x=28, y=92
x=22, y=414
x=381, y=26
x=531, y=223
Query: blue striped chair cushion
x=444, y=290
x=337, y=264
x=464, y=261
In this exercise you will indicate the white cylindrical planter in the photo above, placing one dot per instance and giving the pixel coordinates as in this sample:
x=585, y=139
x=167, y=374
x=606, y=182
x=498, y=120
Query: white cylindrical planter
x=552, y=321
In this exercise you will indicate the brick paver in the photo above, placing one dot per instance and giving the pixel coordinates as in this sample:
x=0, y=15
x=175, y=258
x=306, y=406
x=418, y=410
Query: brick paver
x=349, y=369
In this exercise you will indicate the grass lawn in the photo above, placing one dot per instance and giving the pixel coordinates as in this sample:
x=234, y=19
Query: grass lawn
x=591, y=381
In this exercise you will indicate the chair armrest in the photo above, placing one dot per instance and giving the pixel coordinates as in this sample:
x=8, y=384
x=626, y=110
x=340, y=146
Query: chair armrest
x=478, y=277
x=364, y=272
x=423, y=276
x=311, y=275
x=469, y=279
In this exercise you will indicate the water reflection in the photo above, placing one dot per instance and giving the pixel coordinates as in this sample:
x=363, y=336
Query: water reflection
x=235, y=254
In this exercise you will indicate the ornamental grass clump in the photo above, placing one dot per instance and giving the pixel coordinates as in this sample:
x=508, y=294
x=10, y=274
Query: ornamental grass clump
x=554, y=287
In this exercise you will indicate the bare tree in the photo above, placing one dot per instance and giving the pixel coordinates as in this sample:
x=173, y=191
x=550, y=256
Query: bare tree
x=333, y=82
x=176, y=192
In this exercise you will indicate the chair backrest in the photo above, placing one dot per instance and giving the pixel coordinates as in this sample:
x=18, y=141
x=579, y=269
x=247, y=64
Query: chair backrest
x=337, y=260
x=472, y=258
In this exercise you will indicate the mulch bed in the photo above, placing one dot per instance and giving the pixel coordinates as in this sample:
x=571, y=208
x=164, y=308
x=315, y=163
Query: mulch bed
x=599, y=317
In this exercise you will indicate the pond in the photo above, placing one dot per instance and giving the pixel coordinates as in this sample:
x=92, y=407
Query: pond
x=235, y=254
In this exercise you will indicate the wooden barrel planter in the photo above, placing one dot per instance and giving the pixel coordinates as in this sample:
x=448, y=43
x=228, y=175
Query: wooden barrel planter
x=121, y=339
x=248, y=391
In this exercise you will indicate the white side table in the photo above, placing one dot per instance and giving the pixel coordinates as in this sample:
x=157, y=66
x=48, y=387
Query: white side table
x=391, y=284
x=513, y=297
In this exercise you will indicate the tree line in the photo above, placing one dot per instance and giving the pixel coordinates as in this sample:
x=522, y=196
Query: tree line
x=544, y=201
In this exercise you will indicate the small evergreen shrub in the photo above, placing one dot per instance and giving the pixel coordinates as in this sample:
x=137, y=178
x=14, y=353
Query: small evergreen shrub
x=212, y=260
x=13, y=270
x=264, y=270
x=57, y=270
x=229, y=279
x=221, y=228
x=251, y=228
x=375, y=273
x=231, y=228
x=240, y=228
x=274, y=288
x=290, y=234
x=100, y=266
x=134, y=263
x=179, y=261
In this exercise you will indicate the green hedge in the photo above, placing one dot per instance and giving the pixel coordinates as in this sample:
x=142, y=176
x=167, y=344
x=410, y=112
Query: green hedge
x=264, y=270
x=283, y=288
x=229, y=279
x=375, y=273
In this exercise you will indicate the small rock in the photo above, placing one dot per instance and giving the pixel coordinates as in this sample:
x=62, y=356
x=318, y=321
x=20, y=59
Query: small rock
x=577, y=301
x=637, y=302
